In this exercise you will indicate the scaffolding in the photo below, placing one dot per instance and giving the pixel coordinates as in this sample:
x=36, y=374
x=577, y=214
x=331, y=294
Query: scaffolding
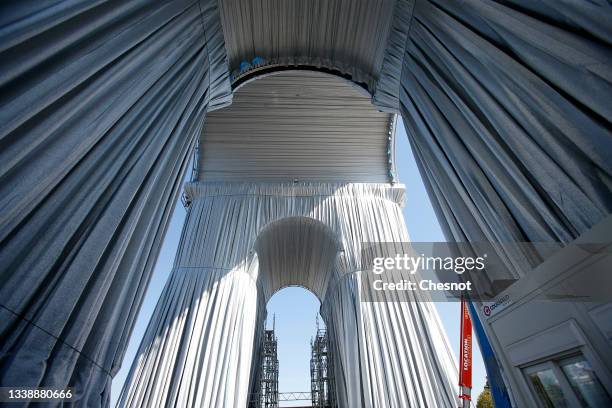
x=268, y=390
x=321, y=381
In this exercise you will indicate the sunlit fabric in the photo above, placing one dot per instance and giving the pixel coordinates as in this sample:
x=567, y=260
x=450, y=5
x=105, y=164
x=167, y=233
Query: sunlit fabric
x=241, y=243
x=505, y=102
x=299, y=125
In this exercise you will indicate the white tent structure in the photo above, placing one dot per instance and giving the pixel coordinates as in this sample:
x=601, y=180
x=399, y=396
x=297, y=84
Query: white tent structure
x=506, y=105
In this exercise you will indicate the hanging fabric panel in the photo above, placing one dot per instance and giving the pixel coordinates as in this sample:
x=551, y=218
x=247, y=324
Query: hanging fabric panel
x=505, y=105
x=241, y=243
x=101, y=105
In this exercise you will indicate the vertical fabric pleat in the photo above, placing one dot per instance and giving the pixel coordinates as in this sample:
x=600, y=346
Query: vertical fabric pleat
x=506, y=105
x=101, y=105
x=241, y=243
x=389, y=353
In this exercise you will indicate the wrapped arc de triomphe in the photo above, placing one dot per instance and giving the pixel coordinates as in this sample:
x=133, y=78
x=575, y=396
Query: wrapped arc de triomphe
x=249, y=234
x=506, y=105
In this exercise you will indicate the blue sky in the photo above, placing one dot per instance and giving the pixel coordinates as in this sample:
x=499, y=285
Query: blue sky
x=296, y=308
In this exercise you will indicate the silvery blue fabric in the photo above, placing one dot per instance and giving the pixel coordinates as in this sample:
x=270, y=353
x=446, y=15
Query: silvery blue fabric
x=101, y=105
x=240, y=244
x=506, y=104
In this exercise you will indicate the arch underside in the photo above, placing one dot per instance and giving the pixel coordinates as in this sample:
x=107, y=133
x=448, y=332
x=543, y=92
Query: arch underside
x=506, y=105
x=297, y=251
x=297, y=125
x=344, y=36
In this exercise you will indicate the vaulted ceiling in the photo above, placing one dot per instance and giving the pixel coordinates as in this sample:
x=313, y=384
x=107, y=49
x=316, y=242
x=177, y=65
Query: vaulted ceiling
x=300, y=125
x=347, y=36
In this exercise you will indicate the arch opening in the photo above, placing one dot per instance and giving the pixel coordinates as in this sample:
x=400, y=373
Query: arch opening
x=293, y=361
x=298, y=255
x=296, y=251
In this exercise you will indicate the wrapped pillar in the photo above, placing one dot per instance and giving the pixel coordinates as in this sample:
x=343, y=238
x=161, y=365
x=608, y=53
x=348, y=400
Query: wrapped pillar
x=101, y=107
x=241, y=243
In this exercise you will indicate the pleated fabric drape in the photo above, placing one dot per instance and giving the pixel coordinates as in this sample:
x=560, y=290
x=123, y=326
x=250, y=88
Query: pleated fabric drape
x=244, y=241
x=506, y=105
x=389, y=353
x=101, y=104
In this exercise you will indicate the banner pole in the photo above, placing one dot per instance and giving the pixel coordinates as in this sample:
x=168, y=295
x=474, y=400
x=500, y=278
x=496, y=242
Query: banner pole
x=465, y=352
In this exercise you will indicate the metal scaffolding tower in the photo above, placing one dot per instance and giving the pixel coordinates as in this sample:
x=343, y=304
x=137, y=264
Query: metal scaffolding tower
x=321, y=381
x=268, y=392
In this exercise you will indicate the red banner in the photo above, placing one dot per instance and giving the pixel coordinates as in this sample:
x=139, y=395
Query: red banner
x=465, y=366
